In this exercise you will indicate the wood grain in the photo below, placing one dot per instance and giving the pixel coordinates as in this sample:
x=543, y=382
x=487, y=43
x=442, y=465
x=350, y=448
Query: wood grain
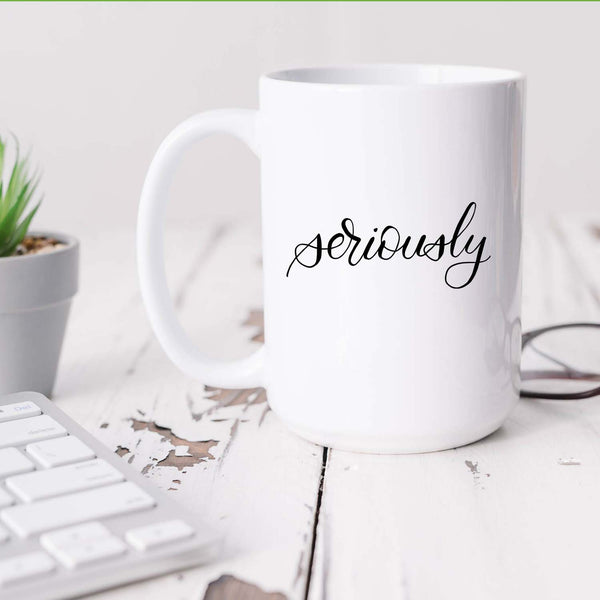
x=227, y=587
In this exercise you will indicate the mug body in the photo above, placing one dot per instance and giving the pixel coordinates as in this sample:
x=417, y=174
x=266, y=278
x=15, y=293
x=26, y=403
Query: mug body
x=391, y=202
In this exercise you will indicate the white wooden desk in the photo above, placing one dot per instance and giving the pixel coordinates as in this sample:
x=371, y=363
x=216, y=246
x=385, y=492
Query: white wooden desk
x=498, y=519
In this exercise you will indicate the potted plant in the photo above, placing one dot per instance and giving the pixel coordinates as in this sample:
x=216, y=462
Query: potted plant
x=38, y=279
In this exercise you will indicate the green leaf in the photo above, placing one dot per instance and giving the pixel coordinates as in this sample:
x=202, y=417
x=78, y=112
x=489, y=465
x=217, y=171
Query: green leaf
x=16, y=210
x=2, y=147
x=15, y=195
x=18, y=234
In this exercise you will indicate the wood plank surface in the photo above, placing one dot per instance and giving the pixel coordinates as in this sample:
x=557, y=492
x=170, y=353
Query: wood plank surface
x=507, y=517
x=512, y=516
x=221, y=453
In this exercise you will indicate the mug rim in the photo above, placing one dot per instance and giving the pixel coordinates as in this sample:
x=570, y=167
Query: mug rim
x=394, y=75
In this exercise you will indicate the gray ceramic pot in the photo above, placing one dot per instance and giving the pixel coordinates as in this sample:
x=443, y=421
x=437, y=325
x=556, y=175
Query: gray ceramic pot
x=35, y=298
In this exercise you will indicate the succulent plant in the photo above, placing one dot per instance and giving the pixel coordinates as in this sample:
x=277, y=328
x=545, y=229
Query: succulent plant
x=17, y=190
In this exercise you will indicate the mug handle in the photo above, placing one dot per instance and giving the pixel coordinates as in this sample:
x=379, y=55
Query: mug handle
x=242, y=373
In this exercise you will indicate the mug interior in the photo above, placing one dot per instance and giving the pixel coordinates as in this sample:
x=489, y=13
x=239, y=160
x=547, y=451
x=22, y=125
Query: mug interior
x=396, y=75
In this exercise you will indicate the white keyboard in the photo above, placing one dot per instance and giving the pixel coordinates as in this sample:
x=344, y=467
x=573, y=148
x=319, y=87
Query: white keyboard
x=74, y=518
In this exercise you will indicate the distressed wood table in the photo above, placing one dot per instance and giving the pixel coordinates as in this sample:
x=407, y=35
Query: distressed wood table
x=501, y=518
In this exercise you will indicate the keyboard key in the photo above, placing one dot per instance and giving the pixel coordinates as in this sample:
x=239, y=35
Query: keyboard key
x=157, y=534
x=12, y=462
x=4, y=535
x=24, y=431
x=77, y=534
x=5, y=499
x=60, y=451
x=90, y=552
x=117, y=499
x=63, y=480
x=18, y=410
x=83, y=544
x=25, y=566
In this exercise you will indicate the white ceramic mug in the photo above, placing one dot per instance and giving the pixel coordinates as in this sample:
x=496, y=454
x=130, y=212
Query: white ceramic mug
x=391, y=207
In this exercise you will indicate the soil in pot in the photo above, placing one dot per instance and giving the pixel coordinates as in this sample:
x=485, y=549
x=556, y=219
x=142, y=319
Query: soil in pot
x=38, y=244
